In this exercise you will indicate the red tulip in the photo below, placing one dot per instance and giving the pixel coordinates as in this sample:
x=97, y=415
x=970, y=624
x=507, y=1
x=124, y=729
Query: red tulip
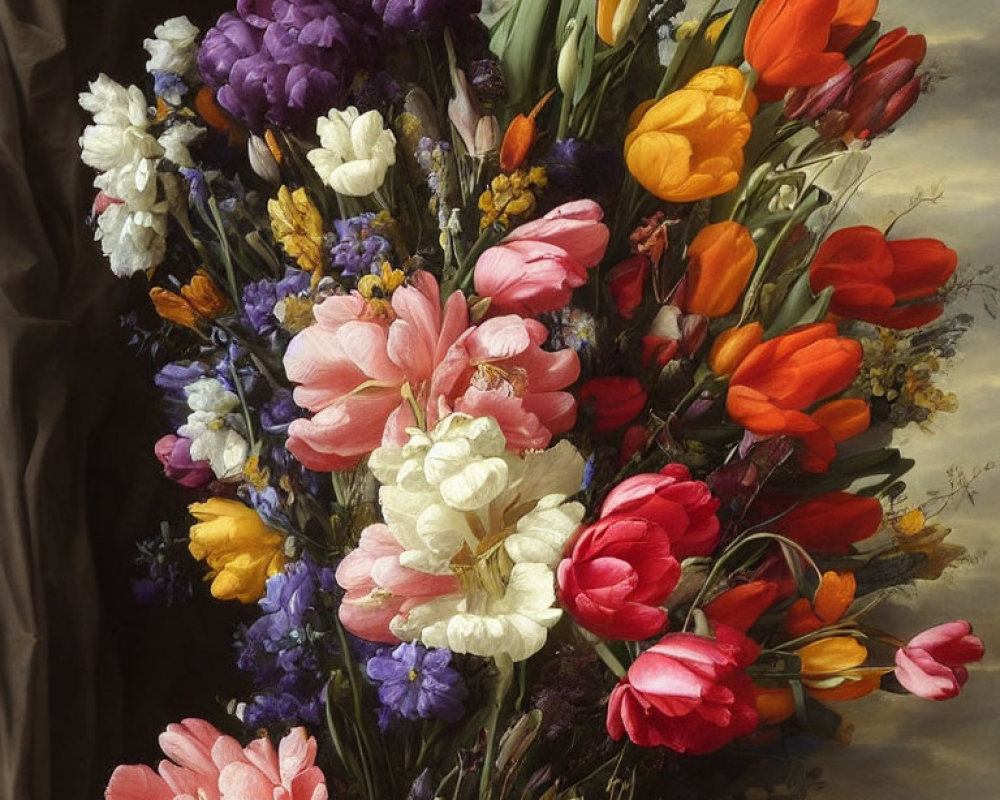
x=831, y=523
x=887, y=85
x=618, y=573
x=932, y=663
x=613, y=401
x=741, y=606
x=687, y=693
x=893, y=284
x=794, y=43
x=684, y=508
x=779, y=378
x=627, y=282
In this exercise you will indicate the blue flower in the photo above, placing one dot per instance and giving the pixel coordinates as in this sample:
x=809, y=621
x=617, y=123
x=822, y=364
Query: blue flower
x=417, y=683
x=359, y=249
x=260, y=298
x=278, y=412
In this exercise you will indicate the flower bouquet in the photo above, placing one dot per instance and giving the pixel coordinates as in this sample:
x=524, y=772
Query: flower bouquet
x=527, y=394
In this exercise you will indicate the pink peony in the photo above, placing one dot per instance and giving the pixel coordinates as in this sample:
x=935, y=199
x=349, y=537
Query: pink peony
x=538, y=265
x=356, y=366
x=932, y=663
x=378, y=587
x=210, y=766
x=687, y=693
x=684, y=508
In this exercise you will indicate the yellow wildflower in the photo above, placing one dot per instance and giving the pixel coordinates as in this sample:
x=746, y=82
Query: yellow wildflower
x=510, y=196
x=241, y=551
x=297, y=225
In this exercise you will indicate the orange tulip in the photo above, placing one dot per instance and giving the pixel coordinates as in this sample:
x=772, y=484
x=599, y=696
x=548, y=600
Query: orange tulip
x=613, y=19
x=720, y=260
x=520, y=137
x=832, y=599
x=732, y=346
x=689, y=145
x=830, y=523
x=838, y=421
x=783, y=376
x=741, y=606
x=796, y=43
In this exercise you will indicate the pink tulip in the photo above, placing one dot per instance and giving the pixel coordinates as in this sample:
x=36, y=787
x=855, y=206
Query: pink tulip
x=932, y=663
x=619, y=571
x=687, y=693
x=174, y=453
x=378, y=588
x=359, y=371
x=684, y=508
x=538, y=265
x=206, y=764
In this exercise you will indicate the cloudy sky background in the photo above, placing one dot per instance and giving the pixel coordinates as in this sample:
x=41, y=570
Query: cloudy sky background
x=906, y=748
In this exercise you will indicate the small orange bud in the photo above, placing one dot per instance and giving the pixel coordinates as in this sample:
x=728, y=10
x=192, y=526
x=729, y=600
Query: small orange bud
x=173, y=308
x=520, y=137
x=732, y=346
x=210, y=111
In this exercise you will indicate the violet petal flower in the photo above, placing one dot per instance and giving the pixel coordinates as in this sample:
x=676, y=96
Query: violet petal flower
x=417, y=683
x=426, y=17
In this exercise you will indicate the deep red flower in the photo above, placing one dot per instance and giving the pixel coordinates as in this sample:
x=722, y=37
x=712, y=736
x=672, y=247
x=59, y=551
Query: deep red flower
x=687, y=693
x=616, y=576
x=741, y=606
x=626, y=282
x=894, y=284
x=613, y=401
x=830, y=523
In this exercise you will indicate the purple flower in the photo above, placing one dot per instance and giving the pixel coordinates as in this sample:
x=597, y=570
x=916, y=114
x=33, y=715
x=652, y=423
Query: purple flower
x=278, y=412
x=260, y=298
x=426, y=17
x=174, y=453
x=579, y=169
x=487, y=80
x=417, y=683
x=359, y=249
x=285, y=62
x=172, y=379
x=197, y=186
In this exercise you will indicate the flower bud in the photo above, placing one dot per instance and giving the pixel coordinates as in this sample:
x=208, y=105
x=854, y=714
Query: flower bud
x=262, y=160
x=732, y=346
x=487, y=138
x=568, y=68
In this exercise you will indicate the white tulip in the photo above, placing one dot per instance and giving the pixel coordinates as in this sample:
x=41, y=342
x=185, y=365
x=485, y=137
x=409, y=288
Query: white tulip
x=356, y=150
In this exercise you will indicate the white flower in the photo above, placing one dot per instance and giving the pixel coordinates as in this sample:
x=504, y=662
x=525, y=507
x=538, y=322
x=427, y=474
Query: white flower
x=460, y=503
x=176, y=140
x=355, y=151
x=174, y=49
x=119, y=136
x=134, y=241
x=212, y=439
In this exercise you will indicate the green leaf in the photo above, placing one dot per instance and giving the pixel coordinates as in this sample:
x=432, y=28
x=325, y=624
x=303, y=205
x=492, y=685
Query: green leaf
x=730, y=49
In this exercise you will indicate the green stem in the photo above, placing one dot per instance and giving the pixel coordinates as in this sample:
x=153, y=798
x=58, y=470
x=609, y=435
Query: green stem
x=505, y=669
x=609, y=658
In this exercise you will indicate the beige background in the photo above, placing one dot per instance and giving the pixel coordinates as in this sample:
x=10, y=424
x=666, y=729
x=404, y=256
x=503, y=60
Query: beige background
x=905, y=748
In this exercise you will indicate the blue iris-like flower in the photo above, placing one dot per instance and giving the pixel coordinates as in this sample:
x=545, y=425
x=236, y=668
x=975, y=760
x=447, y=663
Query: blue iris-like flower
x=417, y=683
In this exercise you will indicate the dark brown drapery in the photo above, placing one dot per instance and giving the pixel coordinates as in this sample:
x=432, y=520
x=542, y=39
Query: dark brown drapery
x=87, y=678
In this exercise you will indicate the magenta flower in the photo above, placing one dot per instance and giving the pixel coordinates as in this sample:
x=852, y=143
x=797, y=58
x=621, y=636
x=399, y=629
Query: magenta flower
x=537, y=267
x=174, y=453
x=363, y=369
x=932, y=663
x=206, y=764
x=426, y=17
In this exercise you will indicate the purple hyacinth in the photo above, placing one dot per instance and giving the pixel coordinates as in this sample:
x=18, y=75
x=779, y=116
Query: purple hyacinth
x=417, y=683
x=260, y=298
x=426, y=17
x=289, y=648
x=286, y=62
x=278, y=412
x=359, y=249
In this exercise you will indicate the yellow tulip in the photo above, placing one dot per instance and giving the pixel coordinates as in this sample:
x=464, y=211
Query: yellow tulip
x=241, y=551
x=689, y=145
x=614, y=18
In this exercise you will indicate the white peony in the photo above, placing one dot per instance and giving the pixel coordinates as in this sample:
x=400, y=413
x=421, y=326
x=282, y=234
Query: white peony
x=355, y=151
x=175, y=48
x=134, y=241
x=176, y=140
x=459, y=502
x=212, y=439
x=120, y=135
